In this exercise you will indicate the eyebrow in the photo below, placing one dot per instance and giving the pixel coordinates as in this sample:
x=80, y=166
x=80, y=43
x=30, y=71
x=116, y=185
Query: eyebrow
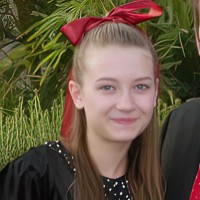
x=144, y=78
x=106, y=79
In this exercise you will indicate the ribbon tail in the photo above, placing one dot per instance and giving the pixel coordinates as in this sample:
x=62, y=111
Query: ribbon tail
x=67, y=113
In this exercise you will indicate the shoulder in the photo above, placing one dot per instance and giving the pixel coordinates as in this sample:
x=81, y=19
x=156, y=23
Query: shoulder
x=36, y=158
x=42, y=157
x=186, y=115
x=40, y=169
x=187, y=108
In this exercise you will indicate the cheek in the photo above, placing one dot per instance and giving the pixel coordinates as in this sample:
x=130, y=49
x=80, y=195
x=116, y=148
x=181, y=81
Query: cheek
x=98, y=103
x=146, y=104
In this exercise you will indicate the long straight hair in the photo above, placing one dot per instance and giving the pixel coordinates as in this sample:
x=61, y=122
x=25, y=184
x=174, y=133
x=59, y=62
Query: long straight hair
x=144, y=172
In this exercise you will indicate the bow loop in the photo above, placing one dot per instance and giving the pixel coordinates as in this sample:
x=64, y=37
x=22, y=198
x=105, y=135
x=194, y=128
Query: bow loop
x=127, y=14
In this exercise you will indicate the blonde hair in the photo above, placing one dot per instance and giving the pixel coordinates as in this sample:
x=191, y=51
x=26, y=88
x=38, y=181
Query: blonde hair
x=144, y=174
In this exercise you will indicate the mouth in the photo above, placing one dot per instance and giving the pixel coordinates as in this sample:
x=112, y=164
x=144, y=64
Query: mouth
x=124, y=121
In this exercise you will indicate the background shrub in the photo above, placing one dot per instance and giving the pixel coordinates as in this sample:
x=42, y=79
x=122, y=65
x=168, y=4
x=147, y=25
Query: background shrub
x=23, y=128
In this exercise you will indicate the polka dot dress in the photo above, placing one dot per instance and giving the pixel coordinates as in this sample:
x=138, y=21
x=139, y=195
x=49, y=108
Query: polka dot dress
x=114, y=189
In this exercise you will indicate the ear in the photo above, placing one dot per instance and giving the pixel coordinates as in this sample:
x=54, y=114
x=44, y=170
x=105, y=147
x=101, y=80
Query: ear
x=156, y=93
x=75, y=92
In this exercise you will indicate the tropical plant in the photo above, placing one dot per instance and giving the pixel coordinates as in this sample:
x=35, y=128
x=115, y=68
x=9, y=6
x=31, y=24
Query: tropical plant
x=15, y=17
x=44, y=53
x=176, y=48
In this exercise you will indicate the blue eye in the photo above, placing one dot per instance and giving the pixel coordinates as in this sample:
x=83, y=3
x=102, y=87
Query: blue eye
x=141, y=87
x=107, y=87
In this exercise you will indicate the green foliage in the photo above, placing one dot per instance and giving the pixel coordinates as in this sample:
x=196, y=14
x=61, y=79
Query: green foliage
x=163, y=108
x=23, y=128
x=174, y=41
x=44, y=55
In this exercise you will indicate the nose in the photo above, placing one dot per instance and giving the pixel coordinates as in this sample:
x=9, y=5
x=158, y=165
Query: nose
x=125, y=102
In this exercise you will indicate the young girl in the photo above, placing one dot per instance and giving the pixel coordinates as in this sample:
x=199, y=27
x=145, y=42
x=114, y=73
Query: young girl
x=109, y=146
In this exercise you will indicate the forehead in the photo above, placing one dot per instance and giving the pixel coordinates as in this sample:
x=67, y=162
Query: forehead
x=118, y=61
x=93, y=52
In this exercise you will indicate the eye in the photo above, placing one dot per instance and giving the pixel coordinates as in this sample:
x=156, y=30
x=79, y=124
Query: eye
x=141, y=87
x=107, y=87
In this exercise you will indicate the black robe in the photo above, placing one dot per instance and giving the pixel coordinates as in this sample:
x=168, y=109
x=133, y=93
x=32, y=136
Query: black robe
x=38, y=174
x=181, y=149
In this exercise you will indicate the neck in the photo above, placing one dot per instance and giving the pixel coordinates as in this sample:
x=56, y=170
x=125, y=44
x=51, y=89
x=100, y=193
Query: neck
x=110, y=158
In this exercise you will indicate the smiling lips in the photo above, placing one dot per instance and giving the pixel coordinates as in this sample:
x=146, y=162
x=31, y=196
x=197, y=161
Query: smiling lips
x=124, y=121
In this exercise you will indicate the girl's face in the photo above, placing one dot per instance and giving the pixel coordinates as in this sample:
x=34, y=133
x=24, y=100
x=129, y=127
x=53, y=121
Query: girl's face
x=118, y=93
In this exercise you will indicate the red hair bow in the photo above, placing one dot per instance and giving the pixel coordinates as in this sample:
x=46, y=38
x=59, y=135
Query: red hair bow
x=123, y=14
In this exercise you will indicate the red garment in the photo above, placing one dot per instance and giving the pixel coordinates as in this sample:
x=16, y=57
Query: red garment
x=195, y=194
